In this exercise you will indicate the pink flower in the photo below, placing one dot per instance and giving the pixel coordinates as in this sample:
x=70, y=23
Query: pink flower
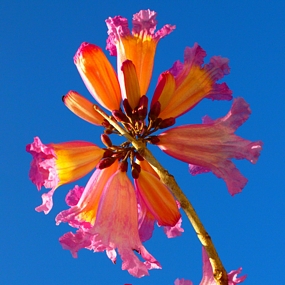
x=211, y=146
x=208, y=278
x=112, y=223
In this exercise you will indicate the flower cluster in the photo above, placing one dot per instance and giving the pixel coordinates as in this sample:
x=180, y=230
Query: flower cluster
x=112, y=213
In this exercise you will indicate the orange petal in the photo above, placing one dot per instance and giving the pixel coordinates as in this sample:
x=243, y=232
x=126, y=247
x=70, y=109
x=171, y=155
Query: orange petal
x=131, y=83
x=141, y=51
x=147, y=167
x=158, y=199
x=90, y=198
x=82, y=107
x=193, y=89
x=98, y=75
x=164, y=90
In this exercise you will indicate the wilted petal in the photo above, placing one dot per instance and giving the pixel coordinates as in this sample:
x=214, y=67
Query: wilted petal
x=211, y=146
x=82, y=107
x=98, y=75
x=138, y=46
x=194, y=82
x=157, y=198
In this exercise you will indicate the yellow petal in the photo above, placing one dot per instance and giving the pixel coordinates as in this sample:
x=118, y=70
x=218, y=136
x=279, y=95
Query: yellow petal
x=75, y=159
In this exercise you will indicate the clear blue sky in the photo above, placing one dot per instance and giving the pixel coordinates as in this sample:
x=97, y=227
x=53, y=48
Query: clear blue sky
x=38, y=41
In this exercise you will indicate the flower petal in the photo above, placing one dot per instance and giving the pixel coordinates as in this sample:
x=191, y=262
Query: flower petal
x=84, y=212
x=47, y=203
x=164, y=89
x=211, y=146
x=157, y=198
x=138, y=46
x=82, y=107
x=98, y=75
x=194, y=82
x=131, y=83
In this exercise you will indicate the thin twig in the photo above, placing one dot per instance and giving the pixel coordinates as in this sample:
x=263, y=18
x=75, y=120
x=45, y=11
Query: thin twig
x=219, y=272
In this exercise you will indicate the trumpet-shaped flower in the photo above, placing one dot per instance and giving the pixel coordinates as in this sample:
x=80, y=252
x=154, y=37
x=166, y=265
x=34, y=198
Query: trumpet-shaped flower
x=208, y=278
x=210, y=146
x=109, y=204
x=186, y=84
x=139, y=46
x=57, y=164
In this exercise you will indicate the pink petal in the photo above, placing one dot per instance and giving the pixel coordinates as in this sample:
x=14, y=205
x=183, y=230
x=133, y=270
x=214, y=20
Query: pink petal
x=74, y=242
x=47, y=202
x=211, y=146
x=74, y=195
x=43, y=169
x=233, y=279
x=182, y=282
x=172, y=232
x=145, y=221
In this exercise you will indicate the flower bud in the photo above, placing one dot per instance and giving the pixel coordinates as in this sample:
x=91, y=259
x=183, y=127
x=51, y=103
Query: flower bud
x=128, y=109
x=106, y=162
x=124, y=166
x=153, y=139
x=154, y=111
x=106, y=140
x=120, y=116
x=167, y=123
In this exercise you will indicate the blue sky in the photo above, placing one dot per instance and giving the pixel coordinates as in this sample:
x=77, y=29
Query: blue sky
x=38, y=41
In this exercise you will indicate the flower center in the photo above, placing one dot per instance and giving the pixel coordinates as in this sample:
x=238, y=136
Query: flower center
x=140, y=125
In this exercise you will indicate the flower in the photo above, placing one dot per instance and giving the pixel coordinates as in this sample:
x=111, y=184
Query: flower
x=138, y=46
x=112, y=223
x=210, y=146
x=208, y=278
x=57, y=164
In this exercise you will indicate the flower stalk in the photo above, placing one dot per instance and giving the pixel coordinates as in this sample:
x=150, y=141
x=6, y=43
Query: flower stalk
x=219, y=271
